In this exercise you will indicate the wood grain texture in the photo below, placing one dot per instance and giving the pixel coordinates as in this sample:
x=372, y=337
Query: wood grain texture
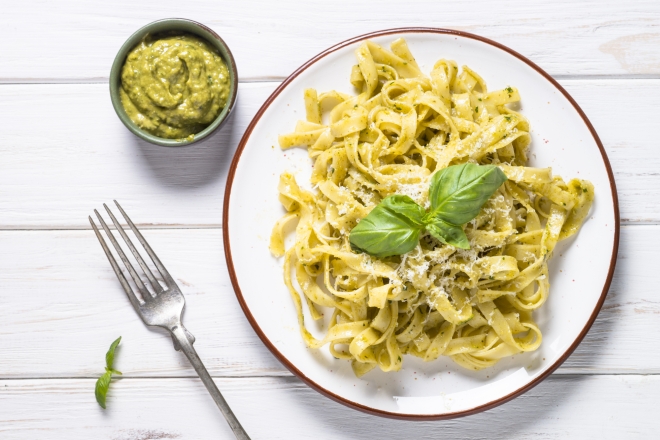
x=581, y=407
x=77, y=40
x=62, y=306
x=53, y=173
x=64, y=152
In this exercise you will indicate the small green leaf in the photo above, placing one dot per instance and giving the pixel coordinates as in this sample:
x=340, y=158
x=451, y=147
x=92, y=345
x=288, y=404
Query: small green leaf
x=110, y=355
x=102, y=385
x=448, y=234
x=391, y=228
x=405, y=206
x=457, y=193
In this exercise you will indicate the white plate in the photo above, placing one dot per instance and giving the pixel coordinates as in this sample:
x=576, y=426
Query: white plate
x=581, y=269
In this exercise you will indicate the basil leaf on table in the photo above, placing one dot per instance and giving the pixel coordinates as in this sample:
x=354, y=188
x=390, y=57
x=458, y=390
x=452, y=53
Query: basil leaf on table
x=391, y=228
x=457, y=193
x=110, y=355
x=101, y=390
x=103, y=383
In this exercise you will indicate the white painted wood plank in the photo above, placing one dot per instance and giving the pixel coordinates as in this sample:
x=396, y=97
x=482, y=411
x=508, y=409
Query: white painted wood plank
x=618, y=111
x=621, y=341
x=602, y=407
x=62, y=306
x=66, y=151
x=77, y=40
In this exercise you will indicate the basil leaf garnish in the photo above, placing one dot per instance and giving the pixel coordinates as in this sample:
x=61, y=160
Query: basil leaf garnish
x=449, y=234
x=103, y=383
x=405, y=206
x=391, y=228
x=457, y=193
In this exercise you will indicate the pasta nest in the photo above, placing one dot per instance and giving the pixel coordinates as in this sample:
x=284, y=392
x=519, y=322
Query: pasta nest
x=473, y=305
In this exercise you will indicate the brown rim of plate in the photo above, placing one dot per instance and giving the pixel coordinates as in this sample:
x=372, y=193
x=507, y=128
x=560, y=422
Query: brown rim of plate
x=284, y=360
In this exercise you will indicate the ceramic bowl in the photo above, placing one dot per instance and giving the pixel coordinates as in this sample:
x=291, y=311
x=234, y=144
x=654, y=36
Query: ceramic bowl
x=183, y=26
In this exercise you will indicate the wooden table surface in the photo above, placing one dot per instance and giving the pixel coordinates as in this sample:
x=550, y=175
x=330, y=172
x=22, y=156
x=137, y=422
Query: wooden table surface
x=64, y=152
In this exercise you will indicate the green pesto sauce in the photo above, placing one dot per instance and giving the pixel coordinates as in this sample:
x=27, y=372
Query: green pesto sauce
x=174, y=86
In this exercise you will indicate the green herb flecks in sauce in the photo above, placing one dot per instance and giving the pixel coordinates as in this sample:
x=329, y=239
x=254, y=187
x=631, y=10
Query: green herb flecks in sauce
x=174, y=86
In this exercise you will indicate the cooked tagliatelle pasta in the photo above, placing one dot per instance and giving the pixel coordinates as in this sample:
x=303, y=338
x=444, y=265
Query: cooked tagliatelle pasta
x=474, y=305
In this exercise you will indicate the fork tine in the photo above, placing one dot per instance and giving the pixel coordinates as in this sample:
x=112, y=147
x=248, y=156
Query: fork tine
x=122, y=280
x=165, y=274
x=156, y=285
x=146, y=295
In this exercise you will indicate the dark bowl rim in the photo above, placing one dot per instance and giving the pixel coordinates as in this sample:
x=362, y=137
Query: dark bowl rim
x=343, y=400
x=216, y=42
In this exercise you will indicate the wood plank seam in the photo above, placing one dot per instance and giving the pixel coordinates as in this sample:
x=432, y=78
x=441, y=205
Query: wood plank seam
x=278, y=79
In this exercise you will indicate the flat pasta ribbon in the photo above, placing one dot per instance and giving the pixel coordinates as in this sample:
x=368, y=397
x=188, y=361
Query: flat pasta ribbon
x=474, y=305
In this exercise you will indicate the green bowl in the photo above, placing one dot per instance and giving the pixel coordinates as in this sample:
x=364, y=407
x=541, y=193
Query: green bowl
x=169, y=25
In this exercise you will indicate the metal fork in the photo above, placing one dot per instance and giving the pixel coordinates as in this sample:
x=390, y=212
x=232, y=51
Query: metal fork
x=162, y=309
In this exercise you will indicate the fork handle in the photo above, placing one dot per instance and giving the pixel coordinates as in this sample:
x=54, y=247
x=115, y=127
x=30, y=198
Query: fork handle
x=180, y=334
